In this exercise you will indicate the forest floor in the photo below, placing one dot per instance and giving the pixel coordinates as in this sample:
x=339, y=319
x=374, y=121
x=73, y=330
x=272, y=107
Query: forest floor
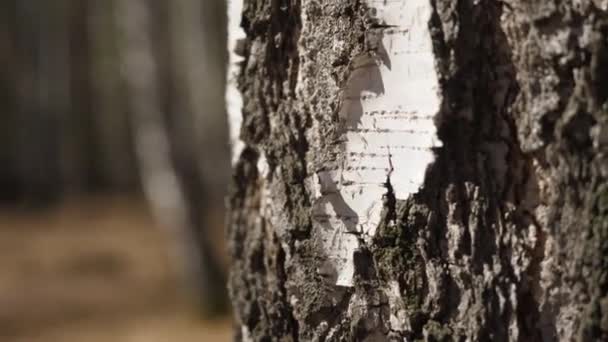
x=93, y=270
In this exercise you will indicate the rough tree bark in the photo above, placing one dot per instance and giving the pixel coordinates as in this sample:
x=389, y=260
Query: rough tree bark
x=344, y=229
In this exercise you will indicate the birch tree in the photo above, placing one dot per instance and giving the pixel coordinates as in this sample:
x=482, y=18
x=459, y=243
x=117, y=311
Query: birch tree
x=164, y=136
x=419, y=170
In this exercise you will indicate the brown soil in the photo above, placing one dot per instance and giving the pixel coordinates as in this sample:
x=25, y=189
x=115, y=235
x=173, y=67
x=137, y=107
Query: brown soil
x=93, y=270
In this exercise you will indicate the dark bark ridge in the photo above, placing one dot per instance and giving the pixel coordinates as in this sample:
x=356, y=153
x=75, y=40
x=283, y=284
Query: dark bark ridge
x=267, y=82
x=507, y=238
x=560, y=53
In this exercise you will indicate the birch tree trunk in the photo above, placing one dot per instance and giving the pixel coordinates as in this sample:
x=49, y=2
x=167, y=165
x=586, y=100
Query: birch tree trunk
x=170, y=180
x=419, y=170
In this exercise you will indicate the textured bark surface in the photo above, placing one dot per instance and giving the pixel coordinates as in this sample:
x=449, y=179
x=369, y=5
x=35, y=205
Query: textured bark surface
x=506, y=239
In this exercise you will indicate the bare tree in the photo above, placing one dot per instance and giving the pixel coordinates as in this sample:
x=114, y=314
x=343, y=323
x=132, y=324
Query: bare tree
x=419, y=170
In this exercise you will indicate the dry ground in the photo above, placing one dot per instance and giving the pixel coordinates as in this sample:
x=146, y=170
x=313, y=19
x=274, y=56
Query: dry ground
x=92, y=270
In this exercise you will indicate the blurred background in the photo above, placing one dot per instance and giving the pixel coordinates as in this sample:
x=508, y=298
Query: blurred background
x=114, y=161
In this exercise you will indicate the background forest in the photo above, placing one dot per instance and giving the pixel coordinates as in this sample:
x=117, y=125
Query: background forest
x=82, y=256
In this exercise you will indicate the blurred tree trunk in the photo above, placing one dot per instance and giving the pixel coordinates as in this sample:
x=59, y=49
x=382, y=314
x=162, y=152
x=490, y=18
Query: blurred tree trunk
x=8, y=100
x=64, y=126
x=195, y=117
x=115, y=161
x=42, y=96
x=503, y=236
x=163, y=123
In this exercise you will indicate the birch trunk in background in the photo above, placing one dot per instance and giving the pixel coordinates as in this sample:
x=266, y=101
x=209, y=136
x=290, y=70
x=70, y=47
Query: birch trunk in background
x=199, y=81
x=419, y=170
x=169, y=181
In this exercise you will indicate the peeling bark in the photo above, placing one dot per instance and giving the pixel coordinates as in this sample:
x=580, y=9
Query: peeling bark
x=504, y=237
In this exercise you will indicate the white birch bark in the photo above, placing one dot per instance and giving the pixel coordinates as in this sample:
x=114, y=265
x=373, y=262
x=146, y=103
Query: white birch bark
x=388, y=110
x=234, y=101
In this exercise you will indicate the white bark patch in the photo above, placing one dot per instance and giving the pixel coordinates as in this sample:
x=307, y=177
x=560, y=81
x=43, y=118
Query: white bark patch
x=234, y=100
x=387, y=115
